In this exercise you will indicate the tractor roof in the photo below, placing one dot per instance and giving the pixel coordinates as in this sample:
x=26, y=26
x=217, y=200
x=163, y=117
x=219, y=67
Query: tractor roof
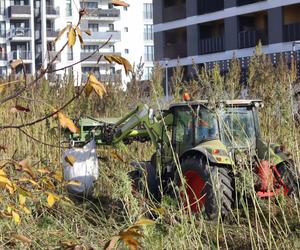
x=236, y=102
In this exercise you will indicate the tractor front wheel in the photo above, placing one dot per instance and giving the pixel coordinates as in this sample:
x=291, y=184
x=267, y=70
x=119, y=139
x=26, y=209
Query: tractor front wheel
x=207, y=186
x=289, y=177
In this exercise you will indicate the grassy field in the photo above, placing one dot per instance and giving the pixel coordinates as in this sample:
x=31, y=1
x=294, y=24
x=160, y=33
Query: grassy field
x=37, y=214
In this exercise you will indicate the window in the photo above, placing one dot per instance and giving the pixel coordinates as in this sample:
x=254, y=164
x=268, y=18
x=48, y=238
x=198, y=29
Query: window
x=2, y=29
x=148, y=32
x=68, y=8
x=111, y=27
x=148, y=73
x=149, y=53
x=148, y=11
x=125, y=8
x=126, y=51
x=89, y=48
x=112, y=70
x=112, y=48
x=93, y=27
x=70, y=54
x=2, y=7
x=89, y=5
x=125, y=29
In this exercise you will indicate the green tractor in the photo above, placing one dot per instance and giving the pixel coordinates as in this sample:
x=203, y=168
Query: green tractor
x=201, y=148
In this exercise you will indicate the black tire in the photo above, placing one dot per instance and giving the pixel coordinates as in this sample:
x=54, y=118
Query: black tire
x=217, y=194
x=290, y=177
x=145, y=181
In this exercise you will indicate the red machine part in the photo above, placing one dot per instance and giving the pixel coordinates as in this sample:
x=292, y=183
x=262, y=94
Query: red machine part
x=271, y=182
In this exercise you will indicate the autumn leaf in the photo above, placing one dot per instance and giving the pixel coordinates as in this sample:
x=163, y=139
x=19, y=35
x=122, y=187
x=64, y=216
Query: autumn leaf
x=61, y=33
x=119, y=3
x=51, y=199
x=21, y=238
x=127, y=66
x=120, y=60
x=16, y=217
x=70, y=159
x=22, y=199
x=144, y=221
x=112, y=243
x=19, y=108
x=79, y=35
x=71, y=37
x=24, y=166
x=117, y=156
x=74, y=183
x=58, y=176
x=44, y=171
x=66, y=122
x=96, y=85
x=88, y=90
x=15, y=63
x=3, y=148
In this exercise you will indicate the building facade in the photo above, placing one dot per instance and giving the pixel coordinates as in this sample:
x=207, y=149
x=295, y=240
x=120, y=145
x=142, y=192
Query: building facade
x=28, y=29
x=210, y=31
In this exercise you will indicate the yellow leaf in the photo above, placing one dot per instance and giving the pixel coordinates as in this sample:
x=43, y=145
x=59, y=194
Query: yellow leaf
x=2, y=173
x=88, y=89
x=15, y=63
x=16, y=217
x=70, y=159
x=44, y=171
x=75, y=183
x=9, y=209
x=66, y=122
x=97, y=86
x=21, y=238
x=58, y=176
x=48, y=183
x=119, y=3
x=50, y=199
x=117, y=156
x=79, y=35
x=25, y=209
x=4, y=180
x=71, y=37
x=22, y=199
x=144, y=221
x=127, y=65
x=61, y=33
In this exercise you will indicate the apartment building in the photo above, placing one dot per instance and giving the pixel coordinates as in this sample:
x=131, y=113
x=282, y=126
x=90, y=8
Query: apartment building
x=28, y=29
x=210, y=31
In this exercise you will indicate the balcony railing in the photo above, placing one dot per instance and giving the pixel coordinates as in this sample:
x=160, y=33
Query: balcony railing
x=25, y=55
x=96, y=56
x=102, y=77
x=250, y=38
x=52, y=33
x=19, y=10
x=2, y=33
x=208, y=6
x=19, y=32
x=291, y=32
x=175, y=50
x=244, y=2
x=103, y=36
x=174, y=12
x=51, y=10
x=211, y=45
x=103, y=13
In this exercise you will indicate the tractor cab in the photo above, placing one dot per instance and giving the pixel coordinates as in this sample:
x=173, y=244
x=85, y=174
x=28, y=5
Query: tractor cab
x=234, y=123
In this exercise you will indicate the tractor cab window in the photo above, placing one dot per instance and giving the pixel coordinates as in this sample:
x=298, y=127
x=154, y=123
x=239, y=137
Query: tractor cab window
x=183, y=129
x=206, y=125
x=238, y=127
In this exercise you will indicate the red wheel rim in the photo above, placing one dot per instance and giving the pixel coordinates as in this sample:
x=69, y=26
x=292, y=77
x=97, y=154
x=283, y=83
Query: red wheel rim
x=194, y=187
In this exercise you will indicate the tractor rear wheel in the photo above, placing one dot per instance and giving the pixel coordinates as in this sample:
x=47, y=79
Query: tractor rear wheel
x=208, y=187
x=290, y=177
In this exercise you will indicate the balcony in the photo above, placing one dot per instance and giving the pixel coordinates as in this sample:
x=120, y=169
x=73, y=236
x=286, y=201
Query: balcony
x=244, y=2
x=103, y=14
x=102, y=36
x=19, y=11
x=103, y=77
x=2, y=33
x=211, y=45
x=175, y=50
x=19, y=34
x=24, y=55
x=51, y=11
x=95, y=57
x=250, y=38
x=51, y=33
x=208, y=6
x=291, y=32
x=174, y=12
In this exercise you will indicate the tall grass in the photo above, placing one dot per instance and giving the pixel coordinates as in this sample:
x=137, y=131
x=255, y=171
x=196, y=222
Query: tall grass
x=255, y=223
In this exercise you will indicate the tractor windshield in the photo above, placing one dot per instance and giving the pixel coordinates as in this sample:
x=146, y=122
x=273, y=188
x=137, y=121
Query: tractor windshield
x=238, y=130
